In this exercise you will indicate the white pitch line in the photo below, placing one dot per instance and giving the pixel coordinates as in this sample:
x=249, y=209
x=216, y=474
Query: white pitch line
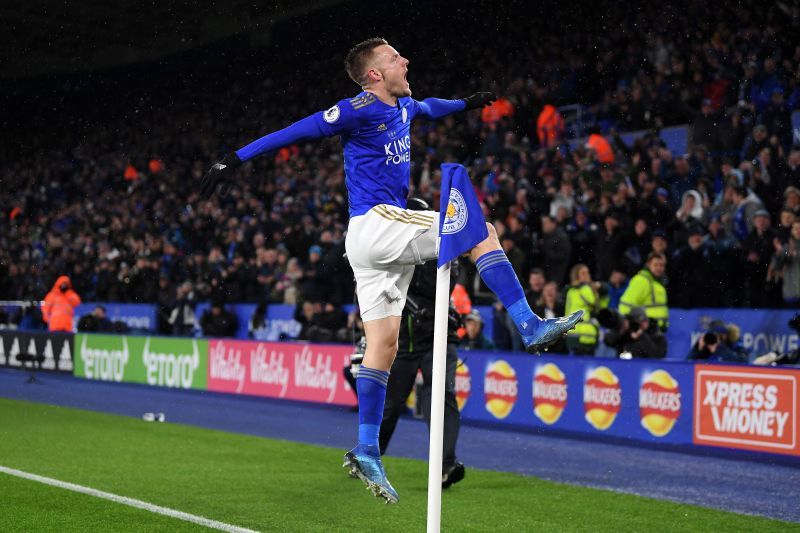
x=180, y=515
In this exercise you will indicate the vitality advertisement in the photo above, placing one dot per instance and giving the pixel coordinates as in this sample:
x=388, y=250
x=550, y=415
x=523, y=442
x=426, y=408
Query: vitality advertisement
x=292, y=371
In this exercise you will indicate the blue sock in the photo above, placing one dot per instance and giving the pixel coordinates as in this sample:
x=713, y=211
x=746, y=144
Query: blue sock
x=496, y=271
x=371, y=387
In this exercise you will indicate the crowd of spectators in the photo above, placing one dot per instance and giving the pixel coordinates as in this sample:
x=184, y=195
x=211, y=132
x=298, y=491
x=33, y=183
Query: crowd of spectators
x=113, y=205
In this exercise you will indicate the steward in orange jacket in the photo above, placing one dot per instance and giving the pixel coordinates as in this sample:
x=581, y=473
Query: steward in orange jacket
x=601, y=147
x=550, y=127
x=59, y=305
x=459, y=298
x=491, y=114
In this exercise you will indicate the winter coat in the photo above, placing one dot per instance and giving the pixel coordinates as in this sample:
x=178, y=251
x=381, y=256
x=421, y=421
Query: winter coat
x=698, y=212
x=788, y=260
x=645, y=290
x=59, y=306
x=582, y=297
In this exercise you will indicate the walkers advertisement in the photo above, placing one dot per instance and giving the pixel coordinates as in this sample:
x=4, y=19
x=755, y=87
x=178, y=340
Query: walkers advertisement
x=647, y=400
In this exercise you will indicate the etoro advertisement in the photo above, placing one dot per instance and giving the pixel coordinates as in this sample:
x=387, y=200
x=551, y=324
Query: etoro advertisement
x=159, y=361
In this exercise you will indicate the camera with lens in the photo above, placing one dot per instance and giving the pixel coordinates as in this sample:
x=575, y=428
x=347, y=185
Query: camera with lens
x=357, y=357
x=610, y=319
x=614, y=320
x=791, y=358
x=794, y=323
x=710, y=338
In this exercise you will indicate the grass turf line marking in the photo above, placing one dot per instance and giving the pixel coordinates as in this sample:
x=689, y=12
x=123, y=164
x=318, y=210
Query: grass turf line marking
x=132, y=502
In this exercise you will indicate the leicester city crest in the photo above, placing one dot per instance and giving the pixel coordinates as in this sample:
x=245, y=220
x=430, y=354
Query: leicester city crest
x=456, y=216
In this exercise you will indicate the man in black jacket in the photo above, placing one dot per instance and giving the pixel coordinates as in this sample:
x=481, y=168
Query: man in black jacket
x=635, y=338
x=218, y=321
x=415, y=353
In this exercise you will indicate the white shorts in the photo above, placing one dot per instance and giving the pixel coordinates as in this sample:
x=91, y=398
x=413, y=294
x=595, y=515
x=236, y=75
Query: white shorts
x=383, y=246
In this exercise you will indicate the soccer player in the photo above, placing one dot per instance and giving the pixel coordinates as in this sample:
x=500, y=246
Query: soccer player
x=385, y=240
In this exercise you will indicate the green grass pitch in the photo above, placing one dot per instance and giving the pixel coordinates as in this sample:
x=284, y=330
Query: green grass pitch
x=273, y=485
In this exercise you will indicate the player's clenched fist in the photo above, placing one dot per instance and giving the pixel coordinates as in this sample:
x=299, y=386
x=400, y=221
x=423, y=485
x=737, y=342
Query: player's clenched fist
x=219, y=176
x=479, y=100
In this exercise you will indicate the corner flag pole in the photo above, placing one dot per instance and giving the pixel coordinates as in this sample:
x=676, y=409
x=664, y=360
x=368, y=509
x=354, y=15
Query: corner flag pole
x=461, y=228
x=441, y=308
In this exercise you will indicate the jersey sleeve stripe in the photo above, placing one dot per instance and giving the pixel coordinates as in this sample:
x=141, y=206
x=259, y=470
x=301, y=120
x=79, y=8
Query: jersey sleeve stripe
x=409, y=220
x=362, y=101
x=405, y=215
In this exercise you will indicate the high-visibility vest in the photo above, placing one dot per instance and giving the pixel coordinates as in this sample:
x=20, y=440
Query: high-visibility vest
x=549, y=126
x=647, y=292
x=131, y=174
x=582, y=297
x=460, y=300
x=59, y=307
x=156, y=166
x=602, y=148
x=498, y=109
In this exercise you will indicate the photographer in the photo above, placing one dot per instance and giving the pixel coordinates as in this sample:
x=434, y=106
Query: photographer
x=415, y=353
x=790, y=358
x=712, y=346
x=218, y=321
x=182, y=319
x=96, y=321
x=321, y=322
x=475, y=339
x=633, y=335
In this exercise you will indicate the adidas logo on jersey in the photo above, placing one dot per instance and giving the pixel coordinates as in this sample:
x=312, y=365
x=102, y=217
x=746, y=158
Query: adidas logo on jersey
x=382, y=127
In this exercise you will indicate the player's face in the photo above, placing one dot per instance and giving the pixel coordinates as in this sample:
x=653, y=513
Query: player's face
x=393, y=67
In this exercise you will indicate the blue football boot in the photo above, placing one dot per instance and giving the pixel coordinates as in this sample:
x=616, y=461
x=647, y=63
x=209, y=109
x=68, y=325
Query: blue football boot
x=369, y=469
x=549, y=331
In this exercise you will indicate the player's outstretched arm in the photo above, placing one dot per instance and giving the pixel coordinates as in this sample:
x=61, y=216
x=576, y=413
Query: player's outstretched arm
x=338, y=119
x=434, y=108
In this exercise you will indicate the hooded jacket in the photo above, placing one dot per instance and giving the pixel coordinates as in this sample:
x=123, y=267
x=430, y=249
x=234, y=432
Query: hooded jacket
x=59, y=306
x=698, y=212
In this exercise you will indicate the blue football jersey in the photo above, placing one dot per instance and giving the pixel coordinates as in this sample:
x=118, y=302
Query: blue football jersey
x=377, y=144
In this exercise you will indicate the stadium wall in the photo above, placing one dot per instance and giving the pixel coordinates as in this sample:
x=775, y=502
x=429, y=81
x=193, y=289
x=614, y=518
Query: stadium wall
x=762, y=331
x=669, y=403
